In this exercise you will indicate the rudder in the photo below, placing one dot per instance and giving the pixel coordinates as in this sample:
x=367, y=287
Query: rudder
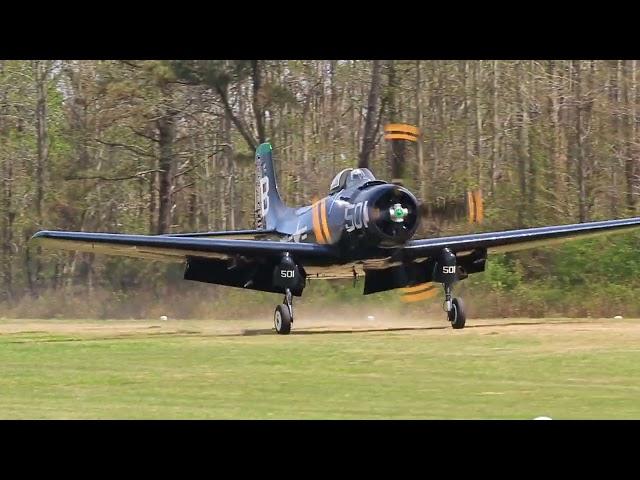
x=268, y=205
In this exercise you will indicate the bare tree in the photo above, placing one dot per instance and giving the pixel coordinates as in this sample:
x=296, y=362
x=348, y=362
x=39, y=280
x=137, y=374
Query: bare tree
x=372, y=118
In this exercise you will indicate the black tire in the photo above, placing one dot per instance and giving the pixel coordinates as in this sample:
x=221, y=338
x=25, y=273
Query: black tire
x=282, y=319
x=457, y=315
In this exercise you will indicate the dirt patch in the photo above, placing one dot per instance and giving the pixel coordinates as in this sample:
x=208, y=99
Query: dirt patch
x=627, y=328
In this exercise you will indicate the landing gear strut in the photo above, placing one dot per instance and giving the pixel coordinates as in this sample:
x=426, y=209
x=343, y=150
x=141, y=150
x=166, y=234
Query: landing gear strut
x=283, y=316
x=454, y=307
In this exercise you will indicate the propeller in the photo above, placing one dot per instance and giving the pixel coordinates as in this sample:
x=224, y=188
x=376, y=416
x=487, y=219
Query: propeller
x=469, y=207
x=395, y=216
x=395, y=213
x=419, y=292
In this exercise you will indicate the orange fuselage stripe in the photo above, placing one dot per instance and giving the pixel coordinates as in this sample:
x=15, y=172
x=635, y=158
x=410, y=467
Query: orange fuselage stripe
x=325, y=226
x=315, y=216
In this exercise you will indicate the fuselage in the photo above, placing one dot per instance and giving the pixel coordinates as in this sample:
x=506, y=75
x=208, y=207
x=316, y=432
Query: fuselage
x=356, y=220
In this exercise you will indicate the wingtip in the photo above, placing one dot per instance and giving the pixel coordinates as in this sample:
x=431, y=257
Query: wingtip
x=38, y=235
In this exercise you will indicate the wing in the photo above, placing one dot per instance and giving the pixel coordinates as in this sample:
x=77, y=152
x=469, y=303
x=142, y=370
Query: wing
x=513, y=240
x=178, y=248
x=233, y=234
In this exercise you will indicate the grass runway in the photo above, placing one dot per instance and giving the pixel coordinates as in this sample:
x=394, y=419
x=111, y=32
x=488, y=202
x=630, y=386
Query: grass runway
x=148, y=369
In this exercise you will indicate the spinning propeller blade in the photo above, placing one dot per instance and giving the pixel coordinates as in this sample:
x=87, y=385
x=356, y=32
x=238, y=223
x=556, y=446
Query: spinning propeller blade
x=469, y=206
x=418, y=292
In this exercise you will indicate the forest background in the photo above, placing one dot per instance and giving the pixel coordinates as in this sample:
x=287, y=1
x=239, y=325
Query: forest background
x=156, y=146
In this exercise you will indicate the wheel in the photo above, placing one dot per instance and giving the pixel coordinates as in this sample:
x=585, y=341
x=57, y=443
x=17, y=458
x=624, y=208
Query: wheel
x=282, y=319
x=457, y=315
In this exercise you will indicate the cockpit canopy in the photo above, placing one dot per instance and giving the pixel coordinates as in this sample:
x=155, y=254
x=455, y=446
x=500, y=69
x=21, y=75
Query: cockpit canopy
x=350, y=177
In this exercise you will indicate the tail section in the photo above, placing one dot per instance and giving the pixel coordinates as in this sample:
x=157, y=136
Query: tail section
x=269, y=206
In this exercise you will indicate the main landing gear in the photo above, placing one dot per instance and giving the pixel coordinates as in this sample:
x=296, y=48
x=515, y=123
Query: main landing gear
x=283, y=316
x=456, y=313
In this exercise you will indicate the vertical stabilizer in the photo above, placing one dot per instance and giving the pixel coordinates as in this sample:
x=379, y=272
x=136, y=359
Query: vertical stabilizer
x=268, y=205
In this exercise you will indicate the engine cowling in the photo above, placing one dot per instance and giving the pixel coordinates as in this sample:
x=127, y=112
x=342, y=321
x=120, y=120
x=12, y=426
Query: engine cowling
x=392, y=213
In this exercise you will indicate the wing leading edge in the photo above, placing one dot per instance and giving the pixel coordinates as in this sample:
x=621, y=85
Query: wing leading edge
x=231, y=234
x=513, y=240
x=176, y=249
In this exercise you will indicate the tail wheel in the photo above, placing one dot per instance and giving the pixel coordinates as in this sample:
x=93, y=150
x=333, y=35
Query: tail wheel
x=282, y=319
x=457, y=315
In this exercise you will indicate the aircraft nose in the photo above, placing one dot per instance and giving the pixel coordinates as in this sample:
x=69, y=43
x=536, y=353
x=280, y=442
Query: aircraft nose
x=394, y=212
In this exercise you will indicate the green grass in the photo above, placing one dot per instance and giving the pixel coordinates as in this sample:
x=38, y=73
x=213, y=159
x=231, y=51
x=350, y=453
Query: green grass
x=516, y=373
